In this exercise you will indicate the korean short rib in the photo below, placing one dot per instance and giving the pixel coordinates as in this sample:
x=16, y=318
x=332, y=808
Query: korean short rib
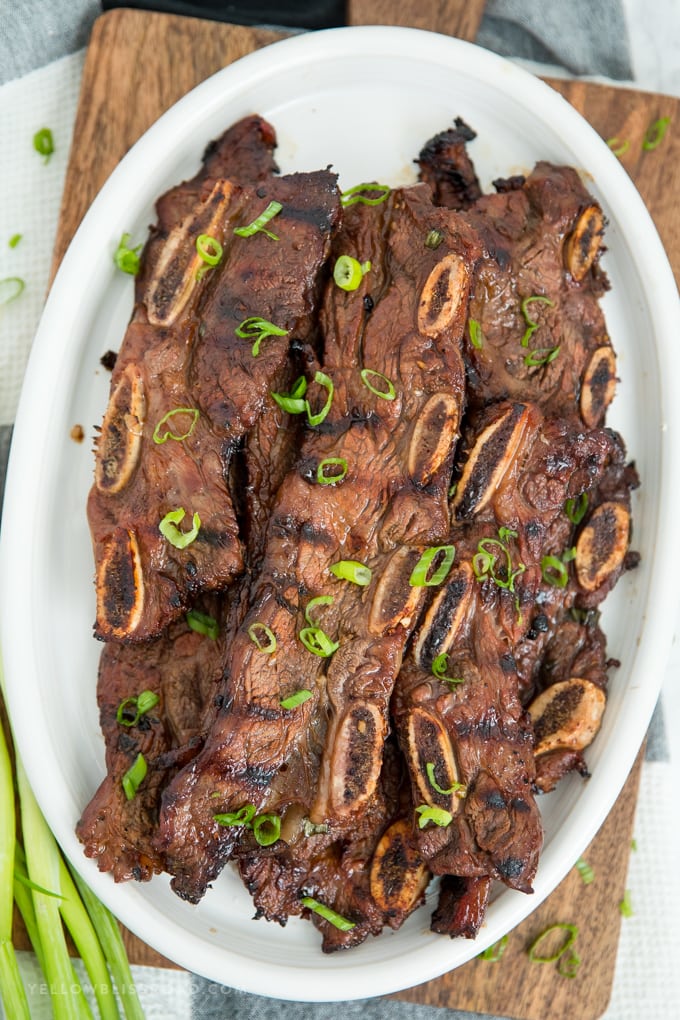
x=454, y=404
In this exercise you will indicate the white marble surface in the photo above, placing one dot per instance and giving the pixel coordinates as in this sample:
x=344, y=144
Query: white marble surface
x=654, y=32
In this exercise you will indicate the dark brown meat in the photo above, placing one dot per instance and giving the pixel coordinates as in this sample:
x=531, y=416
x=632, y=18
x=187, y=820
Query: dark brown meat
x=391, y=502
x=447, y=168
x=462, y=906
x=181, y=350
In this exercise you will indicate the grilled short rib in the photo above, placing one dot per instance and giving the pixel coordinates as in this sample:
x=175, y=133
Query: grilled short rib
x=403, y=323
x=182, y=357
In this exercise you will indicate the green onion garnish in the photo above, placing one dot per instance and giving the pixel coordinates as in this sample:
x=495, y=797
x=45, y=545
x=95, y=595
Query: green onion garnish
x=168, y=528
x=456, y=788
x=327, y=383
x=203, y=624
x=419, y=577
x=655, y=133
x=14, y=240
x=617, y=146
x=337, y=920
x=296, y=699
x=43, y=143
x=575, y=509
x=625, y=906
x=532, y=326
x=258, y=329
x=387, y=393
x=258, y=225
x=554, y=571
x=542, y=356
x=210, y=251
x=266, y=829
x=440, y=664
x=243, y=816
x=161, y=437
x=568, y=965
x=633, y=845
x=320, y=600
x=493, y=953
x=485, y=562
x=352, y=570
x=127, y=258
x=141, y=704
x=293, y=402
x=585, y=871
x=436, y=815
x=10, y=288
x=317, y=641
x=349, y=272
x=134, y=776
x=434, y=239
x=476, y=335
x=254, y=632
x=534, y=953
x=338, y=468
x=356, y=194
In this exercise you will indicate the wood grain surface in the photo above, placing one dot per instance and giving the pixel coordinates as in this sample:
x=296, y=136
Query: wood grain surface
x=137, y=65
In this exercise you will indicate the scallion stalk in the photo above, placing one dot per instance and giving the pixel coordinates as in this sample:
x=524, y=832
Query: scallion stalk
x=113, y=947
x=13, y=991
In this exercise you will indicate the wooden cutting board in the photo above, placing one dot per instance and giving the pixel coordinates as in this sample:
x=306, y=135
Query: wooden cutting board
x=137, y=65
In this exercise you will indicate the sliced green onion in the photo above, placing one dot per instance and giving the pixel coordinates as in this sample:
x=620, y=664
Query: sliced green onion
x=337, y=475
x=633, y=845
x=140, y=704
x=436, y=815
x=476, y=335
x=254, y=632
x=337, y=920
x=655, y=133
x=575, y=509
x=43, y=143
x=484, y=562
x=293, y=402
x=493, y=953
x=258, y=225
x=296, y=699
x=266, y=829
x=127, y=258
x=209, y=249
x=419, y=577
x=348, y=272
x=356, y=194
x=317, y=641
x=533, y=952
x=134, y=776
x=10, y=288
x=625, y=906
x=440, y=664
x=554, y=572
x=323, y=380
x=456, y=788
x=542, y=356
x=243, y=816
x=352, y=570
x=202, y=623
x=169, y=530
x=162, y=437
x=388, y=393
x=259, y=329
x=320, y=600
x=585, y=871
x=569, y=964
x=14, y=240
x=434, y=239
x=618, y=147
x=532, y=325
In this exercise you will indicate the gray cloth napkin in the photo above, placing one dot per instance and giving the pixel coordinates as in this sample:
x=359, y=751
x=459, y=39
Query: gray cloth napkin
x=582, y=37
